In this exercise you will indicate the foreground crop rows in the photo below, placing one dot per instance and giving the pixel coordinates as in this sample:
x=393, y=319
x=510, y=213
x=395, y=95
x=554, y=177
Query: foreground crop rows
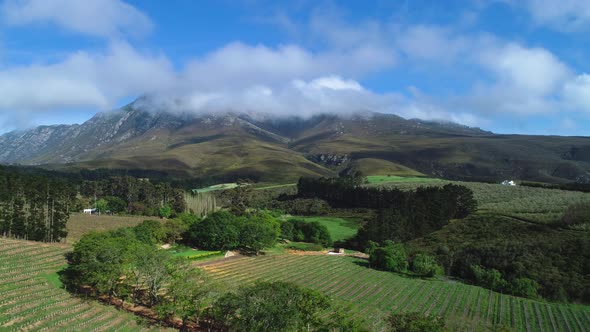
x=29, y=301
x=371, y=292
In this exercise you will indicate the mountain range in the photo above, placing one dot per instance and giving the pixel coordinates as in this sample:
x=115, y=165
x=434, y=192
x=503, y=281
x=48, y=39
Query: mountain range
x=273, y=149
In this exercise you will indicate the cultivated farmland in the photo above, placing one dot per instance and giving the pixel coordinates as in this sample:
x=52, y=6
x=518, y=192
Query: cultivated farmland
x=31, y=298
x=539, y=205
x=80, y=224
x=372, y=292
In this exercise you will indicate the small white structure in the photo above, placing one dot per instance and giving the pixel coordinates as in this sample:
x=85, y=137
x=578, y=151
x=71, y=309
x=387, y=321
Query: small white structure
x=90, y=211
x=508, y=183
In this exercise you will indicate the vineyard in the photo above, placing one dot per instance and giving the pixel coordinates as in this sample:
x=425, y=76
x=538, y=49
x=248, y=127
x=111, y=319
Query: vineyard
x=534, y=204
x=373, y=293
x=31, y=299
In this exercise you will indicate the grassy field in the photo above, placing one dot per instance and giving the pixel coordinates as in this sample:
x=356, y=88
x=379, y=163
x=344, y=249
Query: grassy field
x=193, y=253
x=374, y=293
x=379, y=179
x=340, y=228
x=80, y=224
x=533, y=204
x=275, y=186
x=221, y=186
x=31, y=298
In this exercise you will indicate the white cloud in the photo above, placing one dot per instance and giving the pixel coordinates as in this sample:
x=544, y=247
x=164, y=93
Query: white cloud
x=565, y=15
x=528, y=70
x=238, y=64
x=84, y=80
x=336, y=83
x=568, y=124
x=523, y=80
x=284, y=80
x=432, y=43
x=330, y=94
x=103, y=18
x=289, y=79
x=576, y=93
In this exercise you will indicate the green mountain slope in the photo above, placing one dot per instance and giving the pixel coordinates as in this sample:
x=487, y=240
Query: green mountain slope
x=267, y=148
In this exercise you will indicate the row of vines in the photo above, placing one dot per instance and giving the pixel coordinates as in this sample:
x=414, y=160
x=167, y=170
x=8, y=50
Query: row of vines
x=31, y=299
x=374, y=293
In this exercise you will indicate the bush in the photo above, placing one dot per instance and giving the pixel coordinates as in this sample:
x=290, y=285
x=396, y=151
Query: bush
x=150, y=232
x=488, y=278
x=277, y=306
x=225, y=231
x=256, y=235
x=524, y=287
x=219, y=231
x=415, y=322
x=391, y=257
x=174, y=229
x=577, y=214
x=115, y=204
x=424, y=265
x=312, y=232
x=287, y=230
x=165, y=211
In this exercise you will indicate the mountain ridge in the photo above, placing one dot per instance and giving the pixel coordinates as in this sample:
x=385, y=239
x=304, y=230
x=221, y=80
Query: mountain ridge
x=285, y=148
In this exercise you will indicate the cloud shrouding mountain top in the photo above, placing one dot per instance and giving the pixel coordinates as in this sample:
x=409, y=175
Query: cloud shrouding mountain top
x=513, y=79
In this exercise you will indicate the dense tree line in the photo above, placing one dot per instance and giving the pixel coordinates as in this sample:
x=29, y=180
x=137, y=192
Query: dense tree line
x=223, y=230
x=34, y=207
x=514, y=257
x=303, y=231
x=134, y=195
x=394, y=257
x=402, y=215
x=453, y=201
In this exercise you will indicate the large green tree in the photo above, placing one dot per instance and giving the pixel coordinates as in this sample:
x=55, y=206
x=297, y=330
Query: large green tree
x=276, y=306
x=188, y=295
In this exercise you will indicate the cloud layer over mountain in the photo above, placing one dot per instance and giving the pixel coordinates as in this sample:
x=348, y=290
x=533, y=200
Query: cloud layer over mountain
x=511, y=77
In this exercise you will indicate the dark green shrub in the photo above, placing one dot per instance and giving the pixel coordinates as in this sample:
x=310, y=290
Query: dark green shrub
x=415, y=322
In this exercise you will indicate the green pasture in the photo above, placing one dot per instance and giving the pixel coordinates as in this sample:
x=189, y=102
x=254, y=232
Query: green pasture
x=221, y=186
x=194, y=254
x=379, y=179
x=340, y=228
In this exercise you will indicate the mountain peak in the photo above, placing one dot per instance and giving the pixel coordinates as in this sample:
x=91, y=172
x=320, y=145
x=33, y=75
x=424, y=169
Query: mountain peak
x=263, y=146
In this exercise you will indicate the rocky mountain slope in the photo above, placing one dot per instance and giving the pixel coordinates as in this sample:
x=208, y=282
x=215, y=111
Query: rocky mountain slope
x=266, y=148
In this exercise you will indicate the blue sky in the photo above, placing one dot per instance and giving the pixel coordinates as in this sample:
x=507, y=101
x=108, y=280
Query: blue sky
x=508, y=66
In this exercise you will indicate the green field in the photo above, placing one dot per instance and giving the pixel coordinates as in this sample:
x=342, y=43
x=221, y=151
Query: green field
x=221, y=186
x=194, y=254
x=340, y=228
x=274, y=186
x=379, y=179
x=31, y=299
x=533, y=204
x=374, y=293
x=80, y=224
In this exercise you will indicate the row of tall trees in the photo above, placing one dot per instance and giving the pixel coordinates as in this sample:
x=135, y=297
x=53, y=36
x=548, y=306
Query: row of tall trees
x=34, y=207
x=451, y=200
x=140, y=196
x=402, y=215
